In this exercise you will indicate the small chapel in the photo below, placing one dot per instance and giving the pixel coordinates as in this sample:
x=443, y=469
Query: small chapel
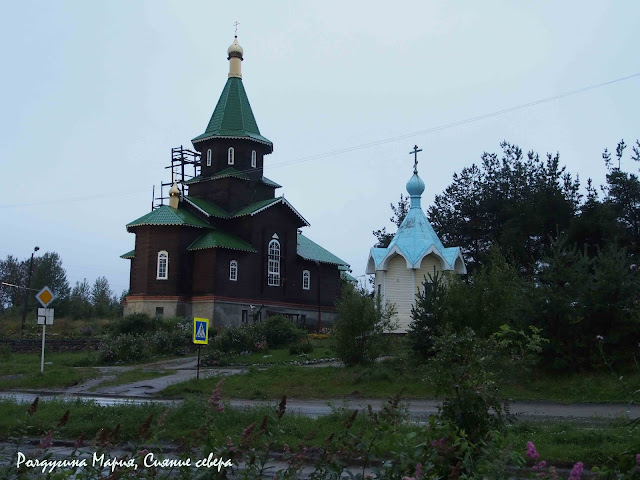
x=226, y=247
x=414, y=253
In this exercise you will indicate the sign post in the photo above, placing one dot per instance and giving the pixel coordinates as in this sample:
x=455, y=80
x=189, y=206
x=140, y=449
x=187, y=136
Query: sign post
x=45, y=317
x=200, y=337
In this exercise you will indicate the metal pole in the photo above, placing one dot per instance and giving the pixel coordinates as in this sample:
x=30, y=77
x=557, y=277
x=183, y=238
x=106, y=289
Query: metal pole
x=26, y=292
x=198, y=368
x=44, y=331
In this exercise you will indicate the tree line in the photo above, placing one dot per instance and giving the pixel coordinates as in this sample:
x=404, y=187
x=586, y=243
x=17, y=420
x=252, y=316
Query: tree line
x=82, y=301
x=541, y=252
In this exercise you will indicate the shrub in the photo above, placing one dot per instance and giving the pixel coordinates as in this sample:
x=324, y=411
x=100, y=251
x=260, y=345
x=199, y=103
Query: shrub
x=212, y=357
x=125, y=348
x=280, y=331
x=358, y=336
x=136, y=323
x=301, y=347
x=237, y=340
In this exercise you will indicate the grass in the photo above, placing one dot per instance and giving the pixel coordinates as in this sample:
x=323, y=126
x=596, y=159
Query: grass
x=557, y=442
x=321, y=349
x=60, y=370
x=132, y=376
x=387, y=378
x=376, y=381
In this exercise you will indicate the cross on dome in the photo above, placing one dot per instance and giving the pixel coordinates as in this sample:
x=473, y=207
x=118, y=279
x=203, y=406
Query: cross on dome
x=415, y=162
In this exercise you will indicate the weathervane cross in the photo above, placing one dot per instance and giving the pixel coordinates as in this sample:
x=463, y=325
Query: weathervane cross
x=236, y=25
x=414, y=152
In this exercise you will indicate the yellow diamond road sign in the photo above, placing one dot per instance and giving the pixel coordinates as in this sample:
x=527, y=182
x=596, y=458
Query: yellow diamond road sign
x=45, y=296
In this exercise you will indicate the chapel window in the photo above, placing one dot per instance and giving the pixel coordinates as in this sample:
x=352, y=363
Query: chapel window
x=209, y=158
x=162, y=272
x=233, y=271
x=273, y=271
x=253, y=159
x=230, y=156
x=306, y=280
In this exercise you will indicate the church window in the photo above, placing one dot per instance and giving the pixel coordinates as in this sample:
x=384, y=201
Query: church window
x=231, y=156
x=233, y=271
x=209, y=158
x=163, y=265
x=273, y=279
x=253, y=158
x=306, y=280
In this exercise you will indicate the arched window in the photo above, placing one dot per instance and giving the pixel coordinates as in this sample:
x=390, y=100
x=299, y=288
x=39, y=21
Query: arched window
x=163, y=266
x=306, y=280
x=233, y=271
x=230, y=156
x=253, y=158
x=209, y=158
x=273, y=279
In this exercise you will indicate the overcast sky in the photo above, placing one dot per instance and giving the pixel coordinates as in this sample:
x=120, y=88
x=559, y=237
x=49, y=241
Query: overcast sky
x=94, y=94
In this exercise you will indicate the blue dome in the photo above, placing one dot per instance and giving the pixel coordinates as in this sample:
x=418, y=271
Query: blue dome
x=415, y=186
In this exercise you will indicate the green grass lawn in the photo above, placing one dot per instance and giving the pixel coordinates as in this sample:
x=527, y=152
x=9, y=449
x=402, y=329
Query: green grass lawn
x=385, y=379
x=60, y=370
x=132, y=376
x=281, y=355
x=557, y=442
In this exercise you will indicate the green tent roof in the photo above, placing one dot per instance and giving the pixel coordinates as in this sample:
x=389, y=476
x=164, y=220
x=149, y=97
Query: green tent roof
x=220, y=239
x=129, y=255
x=208, y=208
x=232, y=117
x=165, y=215
x=229, y=172
x=312, y=251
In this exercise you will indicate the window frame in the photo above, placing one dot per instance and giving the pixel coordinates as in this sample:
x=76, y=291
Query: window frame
x=254, y=161
x=231, y=156
x=209, y=158
x=273, y=263
x=233, y=270
x=163, y=258
x=306, y=280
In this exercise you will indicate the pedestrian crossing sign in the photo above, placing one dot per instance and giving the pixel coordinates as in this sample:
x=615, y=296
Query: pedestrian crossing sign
x=201, y=331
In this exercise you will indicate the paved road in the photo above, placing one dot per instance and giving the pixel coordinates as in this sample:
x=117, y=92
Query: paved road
x=419, y=410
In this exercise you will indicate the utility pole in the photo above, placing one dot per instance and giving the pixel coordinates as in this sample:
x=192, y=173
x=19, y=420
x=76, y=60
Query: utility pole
x=26, y=292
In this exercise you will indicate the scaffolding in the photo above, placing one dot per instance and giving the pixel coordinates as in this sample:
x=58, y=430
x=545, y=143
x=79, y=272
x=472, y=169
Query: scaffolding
x=182, y=162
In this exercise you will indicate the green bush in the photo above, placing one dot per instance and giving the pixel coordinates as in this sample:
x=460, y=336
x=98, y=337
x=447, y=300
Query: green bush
x=212, y=357
x=301, y=347
x=359, y=334
x=125, y=348
x=279, y=331
x=136, y=323
x=237, y=340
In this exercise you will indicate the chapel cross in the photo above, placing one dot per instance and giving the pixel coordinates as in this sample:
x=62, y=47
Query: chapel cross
x=236, y=25
x=414, y=152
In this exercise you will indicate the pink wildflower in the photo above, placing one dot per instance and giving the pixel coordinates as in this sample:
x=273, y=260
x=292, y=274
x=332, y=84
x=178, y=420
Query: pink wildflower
x=540, y=466
x=638, y=461
x=576, y=471
x=216, y=397
x=531, y=451
x=418, y=473
x=46, y=441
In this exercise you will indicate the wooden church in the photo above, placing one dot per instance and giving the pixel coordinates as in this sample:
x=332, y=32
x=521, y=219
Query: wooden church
x=415, y=252
x=226, y=247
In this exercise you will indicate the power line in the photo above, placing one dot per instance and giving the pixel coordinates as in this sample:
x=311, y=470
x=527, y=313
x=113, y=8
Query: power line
x=365, y=145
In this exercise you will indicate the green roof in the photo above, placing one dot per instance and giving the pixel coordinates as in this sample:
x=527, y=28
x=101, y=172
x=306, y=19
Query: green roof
x=220, y=239
x=229, y=172
x=264, y=204
x=129, y=255
x=165, y=215
x=206, y=207
x=312, y=251
x=256, y=207
x=232, y=117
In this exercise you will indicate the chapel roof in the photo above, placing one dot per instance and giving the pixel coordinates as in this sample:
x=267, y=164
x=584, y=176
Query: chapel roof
x=220, y=239
x=415, y=237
